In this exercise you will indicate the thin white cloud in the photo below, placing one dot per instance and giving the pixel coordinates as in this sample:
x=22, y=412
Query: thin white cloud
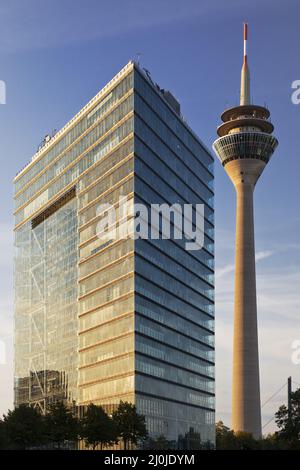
x=230, y=267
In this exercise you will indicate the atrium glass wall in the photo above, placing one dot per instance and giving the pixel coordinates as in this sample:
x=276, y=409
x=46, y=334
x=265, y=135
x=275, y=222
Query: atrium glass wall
x=46, y=319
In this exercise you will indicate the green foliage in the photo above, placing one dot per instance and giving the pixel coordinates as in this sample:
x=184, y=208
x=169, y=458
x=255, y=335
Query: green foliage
x=130, y=425
x=4, y=444
x=245, y=441
x=288, y=422
x=60, y=424
x=225, y=438
x=98, y=428
x=25, y=427
x=285, y=439
x=22, y=428
x=273, y=442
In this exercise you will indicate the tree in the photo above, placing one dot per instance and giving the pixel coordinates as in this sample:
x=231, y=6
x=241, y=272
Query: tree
x=273, y=442
x=245, y=441
x=225, y=438
x=288, y=422
x=131, y=426
x=60, y=424
x=23, y=427
x=4, y=444
x=98, y=428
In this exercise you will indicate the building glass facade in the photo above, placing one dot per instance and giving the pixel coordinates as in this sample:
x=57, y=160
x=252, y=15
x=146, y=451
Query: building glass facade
x=107, y=318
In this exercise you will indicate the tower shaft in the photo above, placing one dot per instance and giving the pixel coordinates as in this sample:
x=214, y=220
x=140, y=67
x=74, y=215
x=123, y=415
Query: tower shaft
x=245, y=382
x=246, y=414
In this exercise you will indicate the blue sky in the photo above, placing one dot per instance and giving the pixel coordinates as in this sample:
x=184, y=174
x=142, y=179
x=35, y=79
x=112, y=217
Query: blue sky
x=55, y=55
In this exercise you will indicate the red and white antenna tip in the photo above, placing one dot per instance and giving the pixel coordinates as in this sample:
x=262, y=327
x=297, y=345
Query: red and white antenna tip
x=245, y=75
x=245, y=41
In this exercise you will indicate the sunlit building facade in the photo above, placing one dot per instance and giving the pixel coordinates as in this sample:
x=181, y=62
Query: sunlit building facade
x=107, y=319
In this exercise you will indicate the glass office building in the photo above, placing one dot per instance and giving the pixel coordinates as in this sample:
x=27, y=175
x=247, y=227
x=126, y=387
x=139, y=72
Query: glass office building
x=107, y=318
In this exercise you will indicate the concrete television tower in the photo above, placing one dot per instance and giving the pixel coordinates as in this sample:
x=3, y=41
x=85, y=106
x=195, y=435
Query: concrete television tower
x=244, y=147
